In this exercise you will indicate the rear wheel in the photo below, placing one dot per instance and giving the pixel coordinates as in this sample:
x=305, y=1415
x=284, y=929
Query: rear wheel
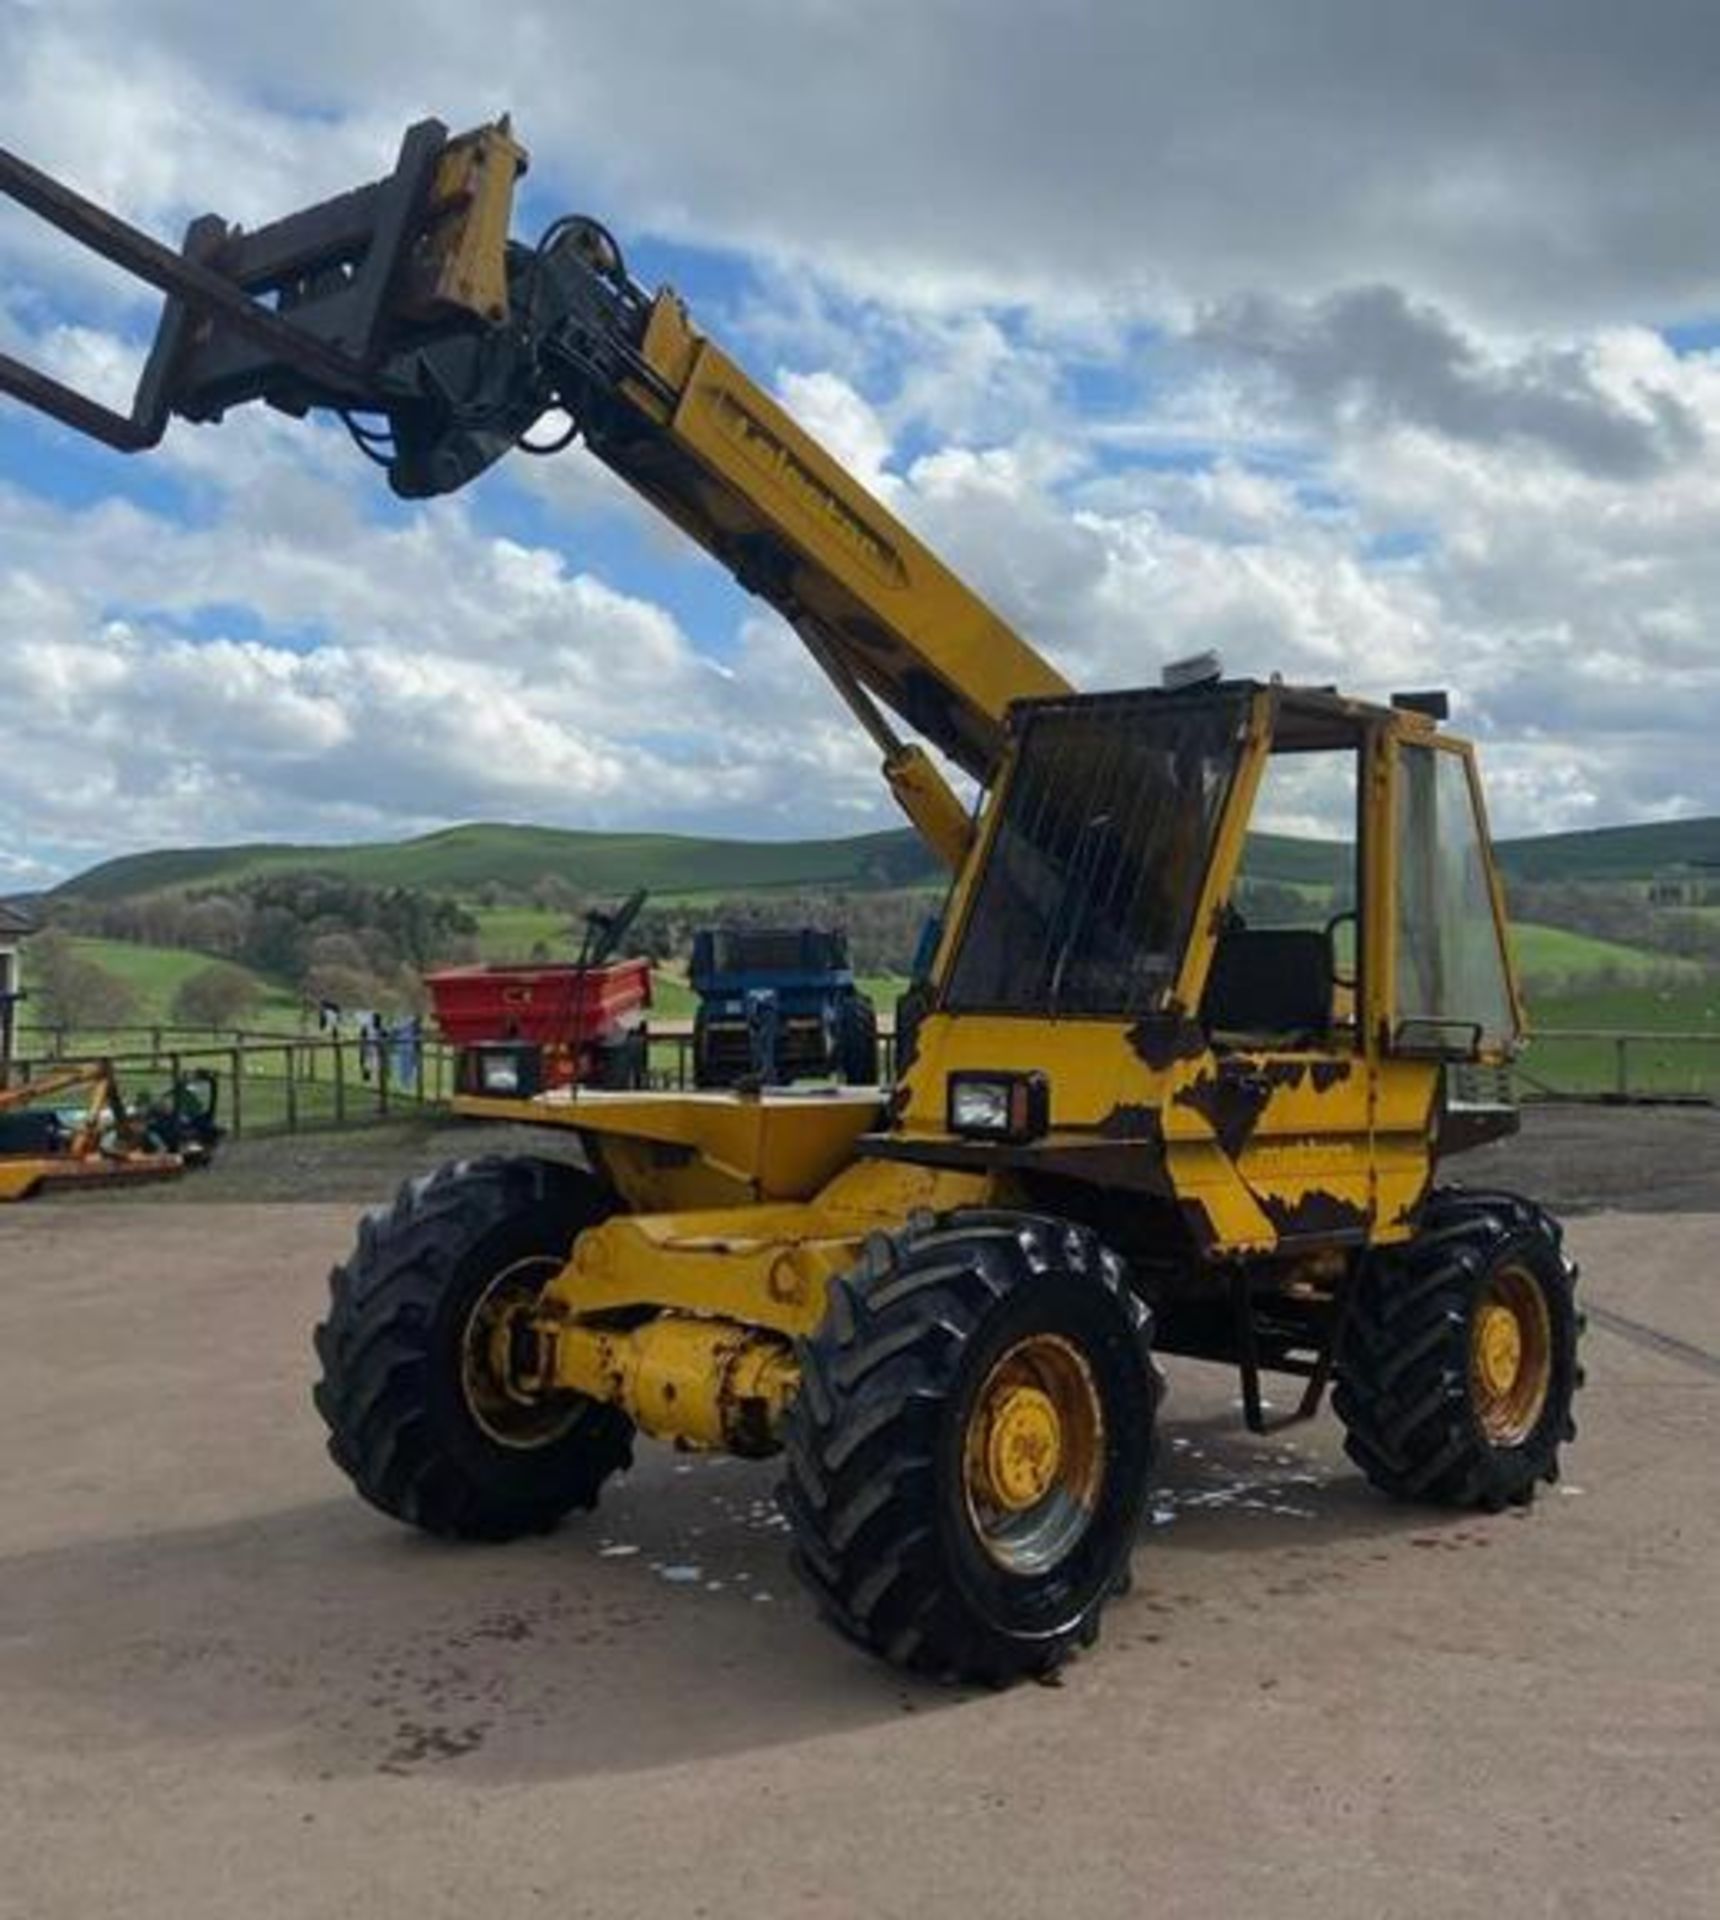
x=968, y=1452
x=857, y=1043
x=414, y=1355
x=1458, y=1363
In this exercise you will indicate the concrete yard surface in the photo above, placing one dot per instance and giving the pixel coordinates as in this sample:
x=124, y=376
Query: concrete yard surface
x=229, y=1689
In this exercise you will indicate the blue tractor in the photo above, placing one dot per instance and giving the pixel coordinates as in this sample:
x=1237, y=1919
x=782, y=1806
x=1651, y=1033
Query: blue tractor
x=776, y=1005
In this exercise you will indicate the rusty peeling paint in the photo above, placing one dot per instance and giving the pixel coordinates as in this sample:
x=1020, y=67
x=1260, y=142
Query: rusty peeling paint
x=1409, y=1214
x=1233, y=1096
x=1314, y=1215
x=1128, y=1121
x=1230, y=1101
x=1162, y=1039
x=786, y=1282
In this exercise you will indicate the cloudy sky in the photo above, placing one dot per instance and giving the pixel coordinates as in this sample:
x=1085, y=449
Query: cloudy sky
x=1364, y=342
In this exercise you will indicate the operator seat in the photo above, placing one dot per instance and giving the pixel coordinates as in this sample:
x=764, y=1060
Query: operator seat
x=1271, y=982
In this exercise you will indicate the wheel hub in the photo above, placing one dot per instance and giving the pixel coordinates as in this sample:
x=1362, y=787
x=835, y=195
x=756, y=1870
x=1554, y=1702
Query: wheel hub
x=1499, y=1348
x=1510, y=1356
x=504, y=1414
x=1033, y=1457
x=1024, y=1447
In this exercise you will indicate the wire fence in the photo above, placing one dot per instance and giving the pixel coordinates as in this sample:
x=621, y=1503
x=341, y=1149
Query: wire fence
x=1603, y=1063
x=272, y=1082
x=268, y=1082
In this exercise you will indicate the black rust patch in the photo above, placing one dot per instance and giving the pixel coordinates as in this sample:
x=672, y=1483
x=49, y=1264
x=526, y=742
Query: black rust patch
x=1315, y=1215
x=1232, y=1098
x=1128, y=1122
x=1162, y=1039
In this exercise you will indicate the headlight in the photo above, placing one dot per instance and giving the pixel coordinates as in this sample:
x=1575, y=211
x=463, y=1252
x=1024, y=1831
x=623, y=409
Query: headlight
x=500, y=1073
x=999, y=1106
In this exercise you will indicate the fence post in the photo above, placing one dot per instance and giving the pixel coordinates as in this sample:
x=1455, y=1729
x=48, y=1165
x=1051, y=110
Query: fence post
x=382, y=1052
x=339, y=1081
x=1621, y=1074
x=236, y=1064
x=289, y=1054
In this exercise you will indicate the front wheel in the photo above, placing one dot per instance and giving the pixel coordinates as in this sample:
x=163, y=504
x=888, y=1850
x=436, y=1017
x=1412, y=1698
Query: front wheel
x=968, y=1452
x=414, y=1355
x=1458, y=1363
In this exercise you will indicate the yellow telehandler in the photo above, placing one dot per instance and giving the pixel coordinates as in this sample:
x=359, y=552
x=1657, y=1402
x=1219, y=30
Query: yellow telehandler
x=1146, y=1102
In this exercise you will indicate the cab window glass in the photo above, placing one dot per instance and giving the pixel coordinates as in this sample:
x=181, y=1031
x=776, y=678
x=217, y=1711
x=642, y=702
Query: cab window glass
x=1450, y=968
x=1097, y=861
x=1284, y=969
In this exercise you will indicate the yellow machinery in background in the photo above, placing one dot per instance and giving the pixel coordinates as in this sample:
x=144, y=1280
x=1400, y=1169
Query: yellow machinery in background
x=1134, y=1111
x=72, y=1127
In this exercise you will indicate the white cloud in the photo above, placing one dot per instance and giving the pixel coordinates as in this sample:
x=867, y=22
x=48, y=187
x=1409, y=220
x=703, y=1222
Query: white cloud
x=1167, y=337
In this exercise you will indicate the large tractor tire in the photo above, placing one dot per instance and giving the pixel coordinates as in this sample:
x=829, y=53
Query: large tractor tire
x=417, y=1413
x=967, y=1456
x=708, y=1071
x=1457, y=1365
x=857, y=1042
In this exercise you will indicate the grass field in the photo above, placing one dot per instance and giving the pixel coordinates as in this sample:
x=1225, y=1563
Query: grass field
x=1685, y=1006
x=510, y=933
x=1682, y=1065
x=155, y=975
x=1553, y=954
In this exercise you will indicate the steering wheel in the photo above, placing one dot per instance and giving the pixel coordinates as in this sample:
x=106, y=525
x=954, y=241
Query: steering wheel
x=1331, y=930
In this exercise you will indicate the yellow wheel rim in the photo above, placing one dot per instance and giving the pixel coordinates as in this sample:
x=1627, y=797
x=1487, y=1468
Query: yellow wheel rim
x=1510, y=1356
x=1033, y=1455
x=504, y=1415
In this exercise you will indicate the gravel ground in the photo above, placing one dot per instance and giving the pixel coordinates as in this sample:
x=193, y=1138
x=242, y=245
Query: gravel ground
x=230, y=1688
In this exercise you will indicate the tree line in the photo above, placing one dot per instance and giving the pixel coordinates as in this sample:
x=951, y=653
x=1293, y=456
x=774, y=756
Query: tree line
x=325, y=939
x=358, y=945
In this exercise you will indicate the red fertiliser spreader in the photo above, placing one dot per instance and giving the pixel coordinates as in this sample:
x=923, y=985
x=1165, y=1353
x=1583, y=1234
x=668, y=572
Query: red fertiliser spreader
x=521, y=1029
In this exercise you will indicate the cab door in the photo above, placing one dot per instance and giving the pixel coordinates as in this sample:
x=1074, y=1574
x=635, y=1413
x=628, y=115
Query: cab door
x=1288, y=1092
x=1449, y=1017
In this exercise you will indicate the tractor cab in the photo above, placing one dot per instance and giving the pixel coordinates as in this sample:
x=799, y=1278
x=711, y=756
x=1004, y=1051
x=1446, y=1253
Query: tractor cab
x=1252, y=932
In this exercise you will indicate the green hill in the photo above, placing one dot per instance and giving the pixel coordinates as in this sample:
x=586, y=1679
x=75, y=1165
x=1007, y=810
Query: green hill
x=460, y=860
x=1615, y=853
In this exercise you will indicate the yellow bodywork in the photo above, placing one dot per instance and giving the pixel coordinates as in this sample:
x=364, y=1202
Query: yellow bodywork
x=471, y=207
x=663, y=1150
x=1251, y=1159
x=742, y=1208
x=99, y=1150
